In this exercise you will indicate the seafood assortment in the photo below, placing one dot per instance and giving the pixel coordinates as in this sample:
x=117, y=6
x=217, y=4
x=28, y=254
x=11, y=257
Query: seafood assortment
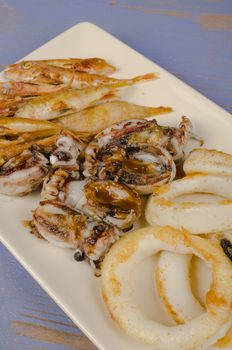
x=93, y=158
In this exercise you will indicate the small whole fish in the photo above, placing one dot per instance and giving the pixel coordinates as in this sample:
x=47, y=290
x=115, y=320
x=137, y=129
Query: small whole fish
x=45, y=145
x=8, y=106
x=93, y=65
x=57, y=104
x=13, y=88
x=38, y=74
x=85, y=80
x=31, y=73
x=11, y=126
x=80, y=80
x=95, y=119
x=21, y=130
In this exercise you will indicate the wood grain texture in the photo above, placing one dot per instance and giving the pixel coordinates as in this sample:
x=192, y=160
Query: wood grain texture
x=47, y=313
x=215, y=21
x=10, y=19
x=51, y=335
x=151, y=10
x=48, y=320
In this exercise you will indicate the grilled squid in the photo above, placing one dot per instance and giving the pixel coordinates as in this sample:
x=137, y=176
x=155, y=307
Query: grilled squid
x=114, y=203
x=61, y=187
x=54, y=185
x=130, y=132
x=65, y=162
x=66, y=153
x=69, y=228
x=139, y=153
x=140, y=167
x=23, y=173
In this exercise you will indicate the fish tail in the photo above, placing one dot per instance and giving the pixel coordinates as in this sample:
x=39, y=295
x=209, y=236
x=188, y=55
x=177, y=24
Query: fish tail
x=158, y=110
x=145, y=77
x=136, y=80
x=111, y=94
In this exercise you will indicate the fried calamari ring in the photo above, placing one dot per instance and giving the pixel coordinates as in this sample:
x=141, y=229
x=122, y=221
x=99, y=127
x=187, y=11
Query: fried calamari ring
x=162, y=209
x=120, y=264
x=208, y=161
x=172, y=275
x=117, y=272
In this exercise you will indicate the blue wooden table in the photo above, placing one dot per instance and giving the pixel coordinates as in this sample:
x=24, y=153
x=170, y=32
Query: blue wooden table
x=192, y=39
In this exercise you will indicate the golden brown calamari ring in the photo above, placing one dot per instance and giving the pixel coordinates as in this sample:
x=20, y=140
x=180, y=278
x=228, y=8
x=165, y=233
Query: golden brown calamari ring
x=162, y=208
x=172, y=275
x=208, y=161
x=120, y=264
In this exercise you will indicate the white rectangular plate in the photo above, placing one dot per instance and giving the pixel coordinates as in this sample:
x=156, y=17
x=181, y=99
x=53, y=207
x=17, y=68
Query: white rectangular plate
x=71, y=284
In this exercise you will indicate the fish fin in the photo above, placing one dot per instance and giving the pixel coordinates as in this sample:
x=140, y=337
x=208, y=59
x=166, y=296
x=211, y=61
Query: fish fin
x=110, y=95
x=159, y=110
x=60, y=105
x=145, y=77
x=139, y=79
x=46, y=80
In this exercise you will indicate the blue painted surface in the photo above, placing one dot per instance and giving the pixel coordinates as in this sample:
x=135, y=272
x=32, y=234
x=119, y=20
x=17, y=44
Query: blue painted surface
x=21, y=296
x=178, y=35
